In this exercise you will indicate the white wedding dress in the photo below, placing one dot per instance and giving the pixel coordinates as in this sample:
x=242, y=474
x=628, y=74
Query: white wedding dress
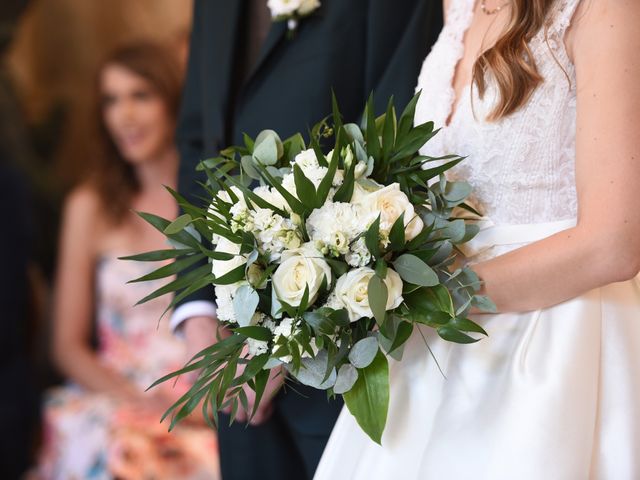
x=550, y=394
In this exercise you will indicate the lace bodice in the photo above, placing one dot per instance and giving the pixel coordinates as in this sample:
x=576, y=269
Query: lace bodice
x=522, y=167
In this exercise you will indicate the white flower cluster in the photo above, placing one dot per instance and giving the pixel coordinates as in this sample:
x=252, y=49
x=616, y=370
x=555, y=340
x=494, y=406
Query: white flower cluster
x=289, y=8
x=334, y=226
x=300, y=272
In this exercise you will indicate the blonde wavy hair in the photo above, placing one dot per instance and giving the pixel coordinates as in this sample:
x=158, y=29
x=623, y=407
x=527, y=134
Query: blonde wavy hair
x=510, y=61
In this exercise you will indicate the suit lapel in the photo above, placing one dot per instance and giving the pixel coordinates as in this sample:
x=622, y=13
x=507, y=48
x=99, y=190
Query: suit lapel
x=275, y=35
x=224, y=18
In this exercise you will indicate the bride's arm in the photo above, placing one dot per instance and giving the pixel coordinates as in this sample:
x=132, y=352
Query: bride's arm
x=604, y=247
x=73, y=302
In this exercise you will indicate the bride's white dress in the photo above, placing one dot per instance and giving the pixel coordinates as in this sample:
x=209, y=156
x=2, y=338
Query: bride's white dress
x=550, y=394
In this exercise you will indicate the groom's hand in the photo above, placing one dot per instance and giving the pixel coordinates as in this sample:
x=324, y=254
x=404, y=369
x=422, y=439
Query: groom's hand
x=265, y=409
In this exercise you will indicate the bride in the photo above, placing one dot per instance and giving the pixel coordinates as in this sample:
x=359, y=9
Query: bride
x=542, y=96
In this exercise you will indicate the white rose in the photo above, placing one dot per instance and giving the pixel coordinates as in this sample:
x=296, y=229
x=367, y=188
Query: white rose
x=221, y=267
x=352, y=289
x=360, y=192
x=299, y=268
x=390, y=202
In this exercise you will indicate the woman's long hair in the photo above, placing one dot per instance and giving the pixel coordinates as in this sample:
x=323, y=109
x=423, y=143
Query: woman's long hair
x=510, y=61
x=113, y=177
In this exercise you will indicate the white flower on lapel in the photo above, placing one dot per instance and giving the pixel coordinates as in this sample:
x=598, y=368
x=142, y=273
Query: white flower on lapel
x=292, y=11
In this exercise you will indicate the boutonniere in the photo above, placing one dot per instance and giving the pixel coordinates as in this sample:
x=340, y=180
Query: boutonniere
x=292, y=11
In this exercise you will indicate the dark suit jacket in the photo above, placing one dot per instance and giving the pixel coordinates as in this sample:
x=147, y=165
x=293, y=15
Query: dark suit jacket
x=351, y=46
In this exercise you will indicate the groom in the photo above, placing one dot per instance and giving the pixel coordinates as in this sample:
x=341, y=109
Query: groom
x=246, y=73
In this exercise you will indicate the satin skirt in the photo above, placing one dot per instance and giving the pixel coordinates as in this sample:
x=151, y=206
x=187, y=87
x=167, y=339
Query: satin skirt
x=550, y=394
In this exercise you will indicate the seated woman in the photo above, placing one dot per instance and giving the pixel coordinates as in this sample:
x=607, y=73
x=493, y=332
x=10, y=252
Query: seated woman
x=103, y=424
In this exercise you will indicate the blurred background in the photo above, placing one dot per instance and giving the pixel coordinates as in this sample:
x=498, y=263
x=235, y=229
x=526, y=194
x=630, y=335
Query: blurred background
x=49, y=52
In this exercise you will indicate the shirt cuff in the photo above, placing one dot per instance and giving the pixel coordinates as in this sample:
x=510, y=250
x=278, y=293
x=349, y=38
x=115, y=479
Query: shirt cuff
x=196, y=308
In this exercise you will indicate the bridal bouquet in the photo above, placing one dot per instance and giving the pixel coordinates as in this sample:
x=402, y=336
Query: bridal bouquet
x=323, y=263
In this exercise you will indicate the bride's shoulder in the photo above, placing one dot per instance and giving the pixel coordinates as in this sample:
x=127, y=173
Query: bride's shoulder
x=599, y=21
x=445, y=7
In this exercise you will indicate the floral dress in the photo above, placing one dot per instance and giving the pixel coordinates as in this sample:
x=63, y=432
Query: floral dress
x=91, y=436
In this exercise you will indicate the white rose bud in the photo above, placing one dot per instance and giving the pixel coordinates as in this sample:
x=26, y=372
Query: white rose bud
x=352, y=290
x=390, y=202
x=299, y=268
x=255, y=276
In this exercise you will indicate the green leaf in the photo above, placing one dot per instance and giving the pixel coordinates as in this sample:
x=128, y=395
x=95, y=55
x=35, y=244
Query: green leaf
x=414, y=141
x=408, y=117
x=389, y=130
x=168, y=270
x=327, y=182
x=372, y=238
x=245, y=302
x=160, y=224
x=430, y=305
x=259, y=385
x=396, y=235
x=293, y=202
x=257, y=333
x=403, y=332
x=304, y=188
x=337, y=117
x=453, y=335
x=338, y=267
x=158, y=255
x=467, y=325
x=345, y=192
x=181, y=282
x=368, y=399
x=235, y=275
x=320, y=322
x=413, y=270
x=373, y=142
x=178, y=224
x=363, y=352
x=377, y=292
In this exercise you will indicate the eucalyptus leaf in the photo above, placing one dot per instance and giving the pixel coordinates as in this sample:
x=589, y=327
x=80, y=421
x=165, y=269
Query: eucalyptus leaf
x=484, y=303
x=266, y=152
x=249, y=167
x=413, y=270
x=363, y=352
x=347, y=376
x=312, y=372
x=245, y=303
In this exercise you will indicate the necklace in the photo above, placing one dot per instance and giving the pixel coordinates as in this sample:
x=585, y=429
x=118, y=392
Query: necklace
x=498, y=9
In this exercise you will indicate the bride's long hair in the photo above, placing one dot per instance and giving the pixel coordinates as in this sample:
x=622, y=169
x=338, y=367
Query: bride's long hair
x=510, y=61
